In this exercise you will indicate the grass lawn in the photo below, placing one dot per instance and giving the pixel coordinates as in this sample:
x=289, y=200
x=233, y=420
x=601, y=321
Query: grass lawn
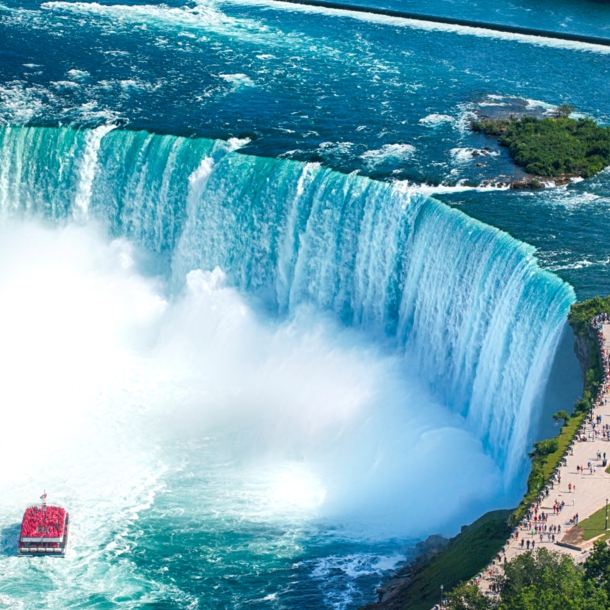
x=566, y=436
x=595, y=525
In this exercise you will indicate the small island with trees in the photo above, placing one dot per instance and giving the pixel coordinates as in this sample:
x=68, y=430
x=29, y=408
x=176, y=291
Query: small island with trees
x=552, y=149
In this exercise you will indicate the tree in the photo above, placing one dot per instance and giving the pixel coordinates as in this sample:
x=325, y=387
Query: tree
x=468, y=597
x=597, y=565
x=561, y=415
x=564, y=110
x=545, y=580
x=544, y=448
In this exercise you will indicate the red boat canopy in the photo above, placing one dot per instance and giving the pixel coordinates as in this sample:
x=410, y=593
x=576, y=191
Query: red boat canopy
x=46, y=524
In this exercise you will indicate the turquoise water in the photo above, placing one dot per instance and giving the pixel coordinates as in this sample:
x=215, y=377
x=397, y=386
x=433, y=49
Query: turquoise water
x=272, y=349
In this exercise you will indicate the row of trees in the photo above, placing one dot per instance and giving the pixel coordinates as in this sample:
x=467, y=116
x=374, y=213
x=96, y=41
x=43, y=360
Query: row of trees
x=543, y=580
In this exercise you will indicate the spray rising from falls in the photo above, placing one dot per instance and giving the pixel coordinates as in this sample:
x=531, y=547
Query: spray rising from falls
x=467, y=303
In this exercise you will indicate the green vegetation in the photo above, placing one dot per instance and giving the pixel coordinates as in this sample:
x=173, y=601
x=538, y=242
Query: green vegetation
x=467, y=554
x=544, y=580
x=561, y=416
x=595, y=525
x=579, y=318
x=564, y=110
x=552, y=147
x=581, y=314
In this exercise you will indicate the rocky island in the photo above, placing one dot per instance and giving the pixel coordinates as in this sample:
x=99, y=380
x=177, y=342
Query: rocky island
x=552, y=150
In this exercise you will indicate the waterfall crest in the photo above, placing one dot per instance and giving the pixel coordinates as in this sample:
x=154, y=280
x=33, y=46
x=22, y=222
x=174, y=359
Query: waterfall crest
x=467, y=300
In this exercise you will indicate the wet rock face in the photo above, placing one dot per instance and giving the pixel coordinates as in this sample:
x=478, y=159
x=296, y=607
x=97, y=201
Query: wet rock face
x=525, y=183
x=522, y=183
x=582, y=349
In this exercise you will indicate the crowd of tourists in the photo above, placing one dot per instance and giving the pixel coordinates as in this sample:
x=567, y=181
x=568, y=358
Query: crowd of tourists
x=45, y=522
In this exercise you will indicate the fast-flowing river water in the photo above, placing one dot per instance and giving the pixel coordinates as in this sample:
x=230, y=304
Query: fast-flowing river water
x=259, y=331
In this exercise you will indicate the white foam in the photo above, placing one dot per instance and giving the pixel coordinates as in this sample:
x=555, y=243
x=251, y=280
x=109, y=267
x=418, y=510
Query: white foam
x=78, y=75
x=440, y=27
x=532, y=104
x=65, y=84
x=465, y=155
x=394, y=153
x=440, y=189
x=88, y=168
x=20, y=103
x=357, y=565
x=238, y=80
x=434, y=120
x=201, y=16
x=580, y=264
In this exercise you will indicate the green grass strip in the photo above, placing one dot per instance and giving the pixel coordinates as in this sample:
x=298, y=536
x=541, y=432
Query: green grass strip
x=595, y=525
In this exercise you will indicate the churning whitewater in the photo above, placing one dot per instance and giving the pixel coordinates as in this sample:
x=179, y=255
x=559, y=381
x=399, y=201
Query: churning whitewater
x=303, y=358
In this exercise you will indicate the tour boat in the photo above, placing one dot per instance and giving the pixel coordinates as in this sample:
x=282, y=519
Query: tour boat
x=44, y=531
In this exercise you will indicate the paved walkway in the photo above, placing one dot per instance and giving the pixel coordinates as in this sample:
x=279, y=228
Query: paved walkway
x=590, y=495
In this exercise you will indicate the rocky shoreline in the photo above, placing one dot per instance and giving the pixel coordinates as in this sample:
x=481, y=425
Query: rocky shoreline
x=443, y=561
x=425, y=550
x=528, y=182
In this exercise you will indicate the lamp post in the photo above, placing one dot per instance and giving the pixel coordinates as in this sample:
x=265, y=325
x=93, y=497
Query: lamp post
x=441, y=596
x=606, y=513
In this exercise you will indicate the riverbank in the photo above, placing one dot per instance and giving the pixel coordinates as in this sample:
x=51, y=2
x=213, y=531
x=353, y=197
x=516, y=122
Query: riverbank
x=417, y=586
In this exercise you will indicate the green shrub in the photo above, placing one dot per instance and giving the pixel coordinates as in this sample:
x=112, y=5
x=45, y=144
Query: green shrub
x=544, y=448
x=561, y=416
x=564, y=110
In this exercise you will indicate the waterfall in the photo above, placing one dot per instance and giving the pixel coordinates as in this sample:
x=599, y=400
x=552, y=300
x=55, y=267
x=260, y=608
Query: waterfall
x=468, y=301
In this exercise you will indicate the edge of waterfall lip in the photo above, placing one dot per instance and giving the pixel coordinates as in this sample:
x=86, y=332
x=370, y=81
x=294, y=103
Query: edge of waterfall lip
x=426, y=185
x=418, y=198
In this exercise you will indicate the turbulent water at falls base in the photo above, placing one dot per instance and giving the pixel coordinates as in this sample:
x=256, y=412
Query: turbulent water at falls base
x=284, y=354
